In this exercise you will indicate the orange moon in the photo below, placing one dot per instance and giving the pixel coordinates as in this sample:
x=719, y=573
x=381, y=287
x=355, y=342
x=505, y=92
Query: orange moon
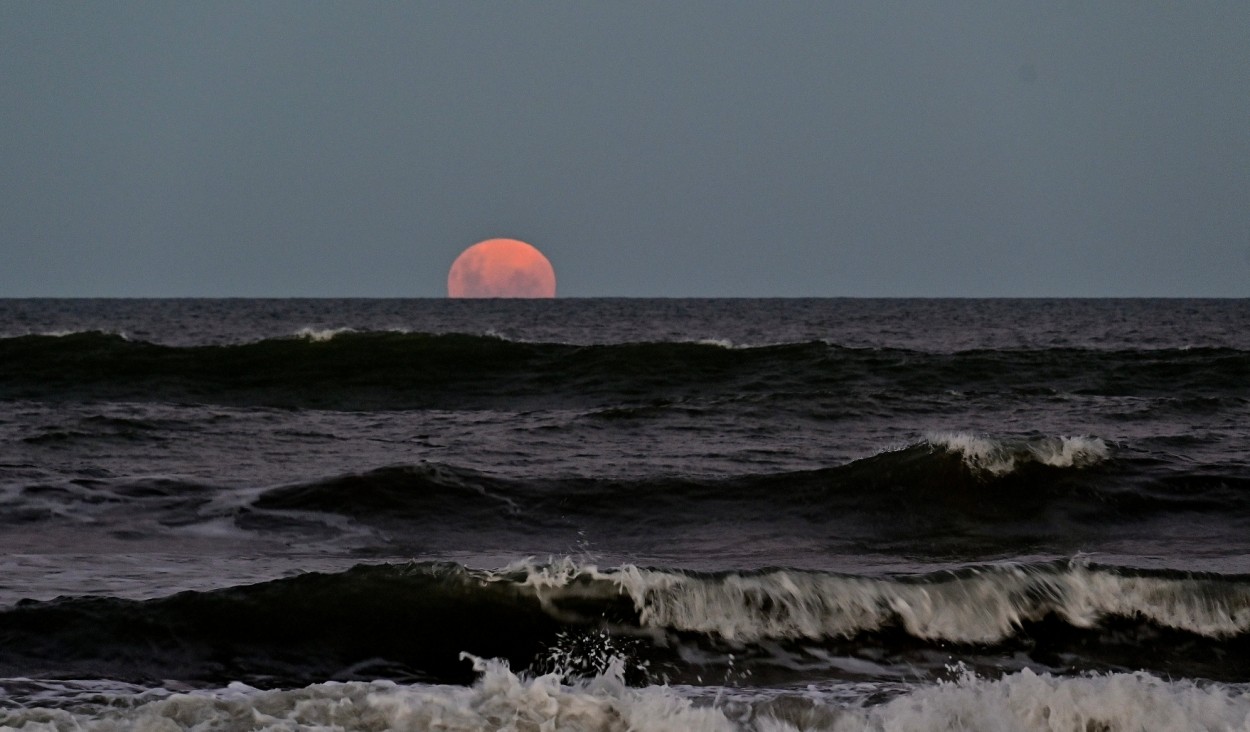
x=501, y=268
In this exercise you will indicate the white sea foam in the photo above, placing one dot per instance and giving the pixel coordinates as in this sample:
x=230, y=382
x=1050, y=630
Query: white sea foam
x=501, y=700
x=1027, y=701
x=984, y=605
x=1001, y=457
x=64, y=333
x=321, y=335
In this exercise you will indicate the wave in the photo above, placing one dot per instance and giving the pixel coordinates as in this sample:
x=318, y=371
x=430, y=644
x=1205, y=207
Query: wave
x=945, y=474
x=998, y=457
x=434, y=490
x=403, y=621
x=1000, y=494
x=321, y=335
x=413, y=622
x=345, y=369
x=975, y=606
x=502, y=699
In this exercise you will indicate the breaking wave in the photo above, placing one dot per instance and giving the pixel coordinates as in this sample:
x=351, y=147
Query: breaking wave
x=982, y=605
x=413, y=622
x=999, y=457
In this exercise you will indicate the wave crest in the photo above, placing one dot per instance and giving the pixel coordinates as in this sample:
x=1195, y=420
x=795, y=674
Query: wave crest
x=1001, y=457
x=984, y=605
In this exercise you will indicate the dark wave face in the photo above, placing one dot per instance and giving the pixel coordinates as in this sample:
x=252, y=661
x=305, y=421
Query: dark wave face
x=414, y=622
x=419, y=370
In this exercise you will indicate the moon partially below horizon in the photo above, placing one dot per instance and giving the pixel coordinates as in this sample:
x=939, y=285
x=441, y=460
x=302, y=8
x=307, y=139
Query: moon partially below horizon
x=501, y=268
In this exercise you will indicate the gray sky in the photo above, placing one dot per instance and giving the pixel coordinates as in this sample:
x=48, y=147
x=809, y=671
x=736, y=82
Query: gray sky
x=648, y=148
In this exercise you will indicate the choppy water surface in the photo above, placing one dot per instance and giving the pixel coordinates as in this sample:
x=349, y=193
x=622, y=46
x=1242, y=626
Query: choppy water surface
x=625, y=514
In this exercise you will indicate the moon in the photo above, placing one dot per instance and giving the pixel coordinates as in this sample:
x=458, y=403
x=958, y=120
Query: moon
x=501, y=268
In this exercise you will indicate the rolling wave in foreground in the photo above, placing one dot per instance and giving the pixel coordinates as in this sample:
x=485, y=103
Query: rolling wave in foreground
x=416, y=620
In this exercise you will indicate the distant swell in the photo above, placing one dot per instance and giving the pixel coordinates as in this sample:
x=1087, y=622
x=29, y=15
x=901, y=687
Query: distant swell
x=414, y=621
x=394, y=370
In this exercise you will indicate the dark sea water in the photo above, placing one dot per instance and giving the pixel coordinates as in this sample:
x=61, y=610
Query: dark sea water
x=625, y=514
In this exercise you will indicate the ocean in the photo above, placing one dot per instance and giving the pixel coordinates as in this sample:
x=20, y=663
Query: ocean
x=625, y=514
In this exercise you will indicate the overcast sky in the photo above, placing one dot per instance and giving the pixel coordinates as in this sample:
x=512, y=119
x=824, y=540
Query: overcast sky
x=648, y=148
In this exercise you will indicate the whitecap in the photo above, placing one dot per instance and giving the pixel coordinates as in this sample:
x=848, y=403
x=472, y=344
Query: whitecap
x=1001, y=457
